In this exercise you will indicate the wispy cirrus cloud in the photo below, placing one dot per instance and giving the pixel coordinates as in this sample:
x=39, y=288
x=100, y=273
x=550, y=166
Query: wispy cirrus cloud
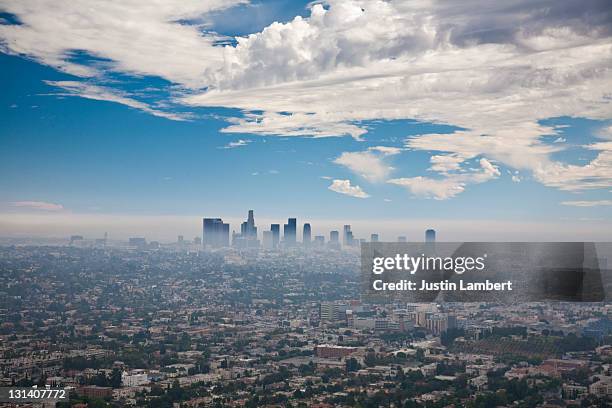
x=38, y=205
x=587, y=203
x=237, y=143
x=345, y=187
x=493, y=70
x=100, y=93
x=155, y=38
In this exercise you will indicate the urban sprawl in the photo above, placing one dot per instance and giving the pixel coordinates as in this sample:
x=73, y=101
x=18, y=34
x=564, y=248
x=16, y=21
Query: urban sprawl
x=260, y=320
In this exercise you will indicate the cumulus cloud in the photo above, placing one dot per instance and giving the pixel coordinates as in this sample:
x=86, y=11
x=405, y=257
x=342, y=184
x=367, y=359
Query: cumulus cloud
x=492, y=69
x=345, y=187
x=495, y=81
x=450, y=185
x=593, y=203
x=369, y=164
x=38, y=205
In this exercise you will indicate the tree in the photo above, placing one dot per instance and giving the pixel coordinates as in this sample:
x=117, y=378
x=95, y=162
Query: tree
x=352, y=365
x=370, y=359
x=115, y=378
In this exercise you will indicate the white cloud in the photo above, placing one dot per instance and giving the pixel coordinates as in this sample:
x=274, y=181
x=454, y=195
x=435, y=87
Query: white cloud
x=345, y=187
x=369, y=164
x=38, y=205
x=585, y=203
x=450, y=185
x=397, y=60
x=492, y=70
x=99, y=93
x=295, y=124
x=131, y=36
x=425, y=187
x=386, y=150
x=605, y=132
x=238, y=143
x=445, y=163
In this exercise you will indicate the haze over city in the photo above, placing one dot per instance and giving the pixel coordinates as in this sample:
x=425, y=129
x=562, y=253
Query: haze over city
x=381, y=113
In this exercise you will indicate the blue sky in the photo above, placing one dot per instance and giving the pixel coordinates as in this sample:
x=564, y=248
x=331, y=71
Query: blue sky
x=101, y=155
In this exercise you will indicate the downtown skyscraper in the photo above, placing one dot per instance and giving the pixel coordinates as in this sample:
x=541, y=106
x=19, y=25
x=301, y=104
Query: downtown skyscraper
x=215, y=233
x=306, y=235
x=248, y=234
x=289, y=232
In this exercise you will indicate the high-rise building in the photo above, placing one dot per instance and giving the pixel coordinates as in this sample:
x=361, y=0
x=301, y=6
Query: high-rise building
x=334, y=240
x=248, y=234
x=401, y=238
x=347, y=236
x=430, y=235
x=374, y=238
x=215, y=233
x=306, y=236
x=275, y=229
x=248, y=230
x=290, y=231
x=180, y=240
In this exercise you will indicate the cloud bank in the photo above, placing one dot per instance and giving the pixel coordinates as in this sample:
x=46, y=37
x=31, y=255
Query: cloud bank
x=494, y=70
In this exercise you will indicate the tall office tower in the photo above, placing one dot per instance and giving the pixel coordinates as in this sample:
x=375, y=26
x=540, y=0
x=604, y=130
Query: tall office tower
x=430, y=235
x=347, y=236
x=268, y=240
x=334, y=240
x=306, y=235
x=290, y=231
x=180, y=240
x=275, y=229
x=248, y=234
x=374, y=238
x=401, y=238
x=215, y=233
x=248, y=228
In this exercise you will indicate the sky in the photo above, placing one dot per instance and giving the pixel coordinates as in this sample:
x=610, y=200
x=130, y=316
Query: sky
x=484, y=120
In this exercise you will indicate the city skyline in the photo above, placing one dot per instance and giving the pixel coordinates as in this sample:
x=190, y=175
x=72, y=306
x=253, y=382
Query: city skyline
x=486, y=119
x=306, y=204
